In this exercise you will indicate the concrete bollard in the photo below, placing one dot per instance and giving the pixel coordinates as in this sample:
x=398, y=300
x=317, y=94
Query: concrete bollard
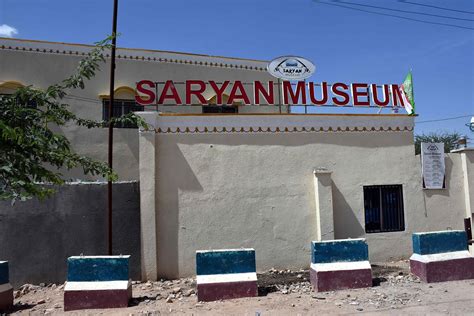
x=340, y=264
x=97, y=282
x=441, y=256
x=226, y=274
x=6, y=289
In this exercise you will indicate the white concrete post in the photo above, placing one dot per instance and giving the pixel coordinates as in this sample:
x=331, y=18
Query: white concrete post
x=147, y=169
x=468, y=201
x=324, y=206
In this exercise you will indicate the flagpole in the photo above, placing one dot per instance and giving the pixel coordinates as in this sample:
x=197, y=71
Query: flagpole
x=111, y=127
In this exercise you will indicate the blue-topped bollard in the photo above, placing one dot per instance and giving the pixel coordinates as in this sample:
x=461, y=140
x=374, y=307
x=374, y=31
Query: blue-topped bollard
x=441, y=256
x=97, y=282
x=226, y=274
x=340, y=264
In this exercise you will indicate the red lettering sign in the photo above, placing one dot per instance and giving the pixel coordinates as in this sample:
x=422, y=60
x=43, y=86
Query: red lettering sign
x=300, y=92
x=340, y=94
x=142, y=89
x=242, y=95
x=219, y=92
x=267, y=94
x=197, y=93
x=338, y=91
x=360, y=90
x=169, y=92
x=386, y=95
x=324, y=94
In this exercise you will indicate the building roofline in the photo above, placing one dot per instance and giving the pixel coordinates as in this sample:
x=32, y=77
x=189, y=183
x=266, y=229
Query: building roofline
x=287, y=114
x=134, y=49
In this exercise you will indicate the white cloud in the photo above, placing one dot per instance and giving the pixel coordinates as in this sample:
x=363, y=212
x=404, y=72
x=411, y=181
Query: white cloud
x=7, y=30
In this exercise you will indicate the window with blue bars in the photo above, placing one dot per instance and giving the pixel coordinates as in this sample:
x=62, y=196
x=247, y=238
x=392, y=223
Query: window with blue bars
x=383, y=208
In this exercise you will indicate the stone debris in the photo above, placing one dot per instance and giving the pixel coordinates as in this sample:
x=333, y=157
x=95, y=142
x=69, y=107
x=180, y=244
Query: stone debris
x=189, y=292
x=176, y=290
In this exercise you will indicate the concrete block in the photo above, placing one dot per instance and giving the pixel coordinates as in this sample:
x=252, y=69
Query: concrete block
x=225, y=261
x=97, y=282
x=439, y=242
x=93, y=295
x=6, y=290
x=343, y=250
x=226, y=274
x=6, y=296
x=222, y=287
x=4, y=273
x=448, y=266
x=340, y=276
x=98, y=268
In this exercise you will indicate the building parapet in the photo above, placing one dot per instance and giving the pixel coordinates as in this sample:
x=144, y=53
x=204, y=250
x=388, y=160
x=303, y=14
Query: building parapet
x=276, y=123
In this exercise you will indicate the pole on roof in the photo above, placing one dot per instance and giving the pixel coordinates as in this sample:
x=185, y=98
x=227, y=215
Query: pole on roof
x=111, y=128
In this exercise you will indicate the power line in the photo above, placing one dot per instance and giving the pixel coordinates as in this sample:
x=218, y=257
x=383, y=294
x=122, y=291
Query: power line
x=436, y=7
x=404, y=11
x=395, y=16
x=446, y=119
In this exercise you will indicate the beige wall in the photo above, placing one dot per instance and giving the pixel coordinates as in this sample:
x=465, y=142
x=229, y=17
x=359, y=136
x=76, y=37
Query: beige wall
x=230, y=190
x=54, y=62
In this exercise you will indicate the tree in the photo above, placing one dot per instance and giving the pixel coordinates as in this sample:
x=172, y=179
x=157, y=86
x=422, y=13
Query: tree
x=449, y=140
x=31, y=154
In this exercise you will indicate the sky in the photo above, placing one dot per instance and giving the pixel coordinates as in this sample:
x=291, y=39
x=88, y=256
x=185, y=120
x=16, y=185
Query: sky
x=345, y=41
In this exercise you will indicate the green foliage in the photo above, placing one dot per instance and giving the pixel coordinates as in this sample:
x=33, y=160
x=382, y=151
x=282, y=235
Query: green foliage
x=449, y=140
x=31, y=154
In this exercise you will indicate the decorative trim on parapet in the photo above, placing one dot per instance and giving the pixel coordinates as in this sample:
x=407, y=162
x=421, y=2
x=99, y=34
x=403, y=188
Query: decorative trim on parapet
x=148, y=55
x=237, y=130
x=272, y=124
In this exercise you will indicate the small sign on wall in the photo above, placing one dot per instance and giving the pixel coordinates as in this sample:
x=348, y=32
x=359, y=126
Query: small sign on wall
x=432, y=165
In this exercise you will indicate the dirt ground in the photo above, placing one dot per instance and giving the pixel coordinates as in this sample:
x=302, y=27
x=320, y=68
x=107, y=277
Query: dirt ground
x=283, y=292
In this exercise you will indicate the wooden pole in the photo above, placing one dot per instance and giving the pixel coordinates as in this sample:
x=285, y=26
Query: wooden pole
x=111, y=127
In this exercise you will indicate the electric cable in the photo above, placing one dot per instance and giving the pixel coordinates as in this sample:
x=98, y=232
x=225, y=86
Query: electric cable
x=403, y=11
x=395, y=16
x=436, y=7
x=445, y=119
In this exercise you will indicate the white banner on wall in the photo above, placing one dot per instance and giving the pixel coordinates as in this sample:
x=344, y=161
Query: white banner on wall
x=432, y=165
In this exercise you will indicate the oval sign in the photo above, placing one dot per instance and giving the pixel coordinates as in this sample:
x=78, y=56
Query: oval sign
x=291, y=68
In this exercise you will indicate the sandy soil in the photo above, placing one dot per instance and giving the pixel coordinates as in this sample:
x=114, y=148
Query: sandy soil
x=395, y=292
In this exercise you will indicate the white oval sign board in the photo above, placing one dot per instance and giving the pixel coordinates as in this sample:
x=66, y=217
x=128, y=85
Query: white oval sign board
x=291, y=68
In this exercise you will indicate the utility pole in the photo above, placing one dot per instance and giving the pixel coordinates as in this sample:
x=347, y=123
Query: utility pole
x=111, y=127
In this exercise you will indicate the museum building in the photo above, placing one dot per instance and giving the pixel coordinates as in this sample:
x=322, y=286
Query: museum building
x=217, y=172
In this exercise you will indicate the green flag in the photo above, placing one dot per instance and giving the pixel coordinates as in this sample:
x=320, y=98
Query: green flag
x=407, y=91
